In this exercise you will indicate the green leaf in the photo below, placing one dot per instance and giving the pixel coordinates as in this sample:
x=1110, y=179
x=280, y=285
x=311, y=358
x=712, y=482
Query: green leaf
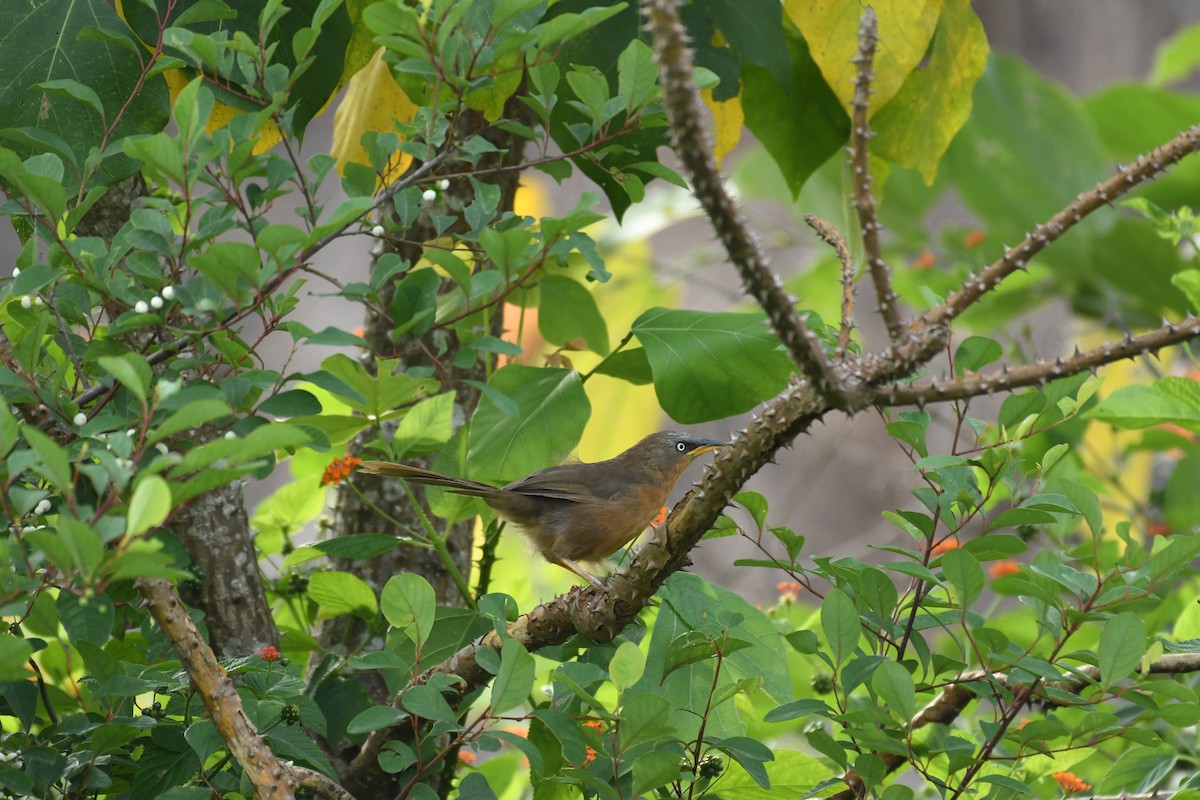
x=1170, y=399
x=149, y=505
x=292, y=403
x=375, y=718
x=975, y=353
x=1044, y=165
x=645, y=718
x=627, y=666
x=630, y=365
x=515, y=679
x=567, y=310
x=427, y=702
x=408, y=603
x=791, y=774
x=751, y=754
x=839, y=621
x=193, y=415
x=52, y=461
x=43, y=44
x=963, y=572
x=425, y=427
x=373, y=394
x=132, y=370
x=895, y=687
x=654, y=769
x=1122, y=645
x=800, y=127
x=552, y=410
x=755, y=31
x=1177, y=57
x=711, y=365
x=340, y=593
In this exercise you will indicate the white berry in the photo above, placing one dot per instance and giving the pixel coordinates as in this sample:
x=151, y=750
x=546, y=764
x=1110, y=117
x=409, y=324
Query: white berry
x=168, y=292
x=141, y=307
x=156, y=302
x=377, y=231
x=444, y=184
x=230, y=435
x=80, y=418
x=26, y=301
x=429, y=195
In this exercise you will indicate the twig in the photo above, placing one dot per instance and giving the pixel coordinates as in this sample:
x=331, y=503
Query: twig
x=1007, y=379
x=860, y=175
x=269, y=777
x=955, y=697
x=320, y=783
x=833, y=237
x=1125, y=180
x=692, y=146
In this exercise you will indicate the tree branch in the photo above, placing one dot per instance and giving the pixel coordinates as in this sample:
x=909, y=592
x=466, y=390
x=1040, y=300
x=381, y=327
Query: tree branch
x=833, y=237
x=860, y=175
x=692, y=146
x=1008, y=379
x=269, y=777
x=1125, y=180
x=954, y=699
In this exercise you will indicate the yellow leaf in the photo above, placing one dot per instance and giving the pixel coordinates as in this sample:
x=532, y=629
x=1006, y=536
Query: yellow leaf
x=269, y=134
x=831, y=29
x=373, y=102
x=728, y=120
x=915, y=129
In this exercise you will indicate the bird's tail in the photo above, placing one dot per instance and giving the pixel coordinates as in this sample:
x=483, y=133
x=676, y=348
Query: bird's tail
x=427, y=477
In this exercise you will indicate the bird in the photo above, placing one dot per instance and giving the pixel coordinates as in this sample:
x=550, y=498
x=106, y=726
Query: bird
x=579, y=511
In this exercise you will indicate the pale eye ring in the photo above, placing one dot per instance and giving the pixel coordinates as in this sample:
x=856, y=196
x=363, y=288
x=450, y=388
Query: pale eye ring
x=681, y=447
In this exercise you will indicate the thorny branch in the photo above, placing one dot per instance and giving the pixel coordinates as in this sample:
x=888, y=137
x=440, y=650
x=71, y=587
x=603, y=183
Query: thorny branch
x=682, y=101
x=601, y=615
x=860, y=176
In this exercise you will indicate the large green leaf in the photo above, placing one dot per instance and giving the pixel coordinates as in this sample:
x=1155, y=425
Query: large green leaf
x=42, y=44
x=800, y=127
x=567, y=310
x=709, y=366
x=1171, y=399
x=1039, y=138
x=551, y=411
x=1135, y=119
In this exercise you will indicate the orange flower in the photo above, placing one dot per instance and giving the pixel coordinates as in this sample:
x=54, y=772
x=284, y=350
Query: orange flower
x=1002, y=568
x=590, y=753
x=945, y=546
x=788, y=590
x=339, y=470
x=661, y=518
x=270, y=653
x=1158, y=528
x=1070, y=783
x=467, y=757
x=1024, y=721
x=974, y=238
x=925, y=261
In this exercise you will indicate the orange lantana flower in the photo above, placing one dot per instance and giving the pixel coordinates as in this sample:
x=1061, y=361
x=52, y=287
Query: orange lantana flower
x=339, y=470
x=1070, y=783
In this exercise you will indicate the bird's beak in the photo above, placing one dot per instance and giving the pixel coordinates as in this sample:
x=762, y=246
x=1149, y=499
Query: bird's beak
x=707, y=446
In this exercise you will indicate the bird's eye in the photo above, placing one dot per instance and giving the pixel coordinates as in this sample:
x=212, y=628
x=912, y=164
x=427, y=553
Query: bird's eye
x=681, y=447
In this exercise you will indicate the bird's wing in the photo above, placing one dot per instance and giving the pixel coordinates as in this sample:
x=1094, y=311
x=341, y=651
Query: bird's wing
x=570, y=482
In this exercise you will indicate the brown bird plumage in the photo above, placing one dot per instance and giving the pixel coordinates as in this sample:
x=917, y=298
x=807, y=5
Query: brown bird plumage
x=579, y=512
